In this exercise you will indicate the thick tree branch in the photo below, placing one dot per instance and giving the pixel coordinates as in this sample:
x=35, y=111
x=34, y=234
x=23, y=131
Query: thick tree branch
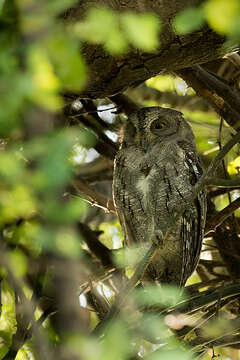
x=96, y=171
x=224, y=100
x=109, y=75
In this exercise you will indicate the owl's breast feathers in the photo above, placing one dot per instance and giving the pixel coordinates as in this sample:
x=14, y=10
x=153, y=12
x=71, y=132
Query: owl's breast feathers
x=150, y=187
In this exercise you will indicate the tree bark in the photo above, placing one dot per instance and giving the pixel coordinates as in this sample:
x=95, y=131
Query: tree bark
x=108, y=75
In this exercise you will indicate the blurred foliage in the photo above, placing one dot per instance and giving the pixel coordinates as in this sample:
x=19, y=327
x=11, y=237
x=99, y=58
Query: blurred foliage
x=40, y=155
x=170, y=83
x=222, y=16
x=116, y=31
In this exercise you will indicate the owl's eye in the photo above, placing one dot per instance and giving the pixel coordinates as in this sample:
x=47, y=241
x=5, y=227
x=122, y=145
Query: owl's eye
x=158, y=125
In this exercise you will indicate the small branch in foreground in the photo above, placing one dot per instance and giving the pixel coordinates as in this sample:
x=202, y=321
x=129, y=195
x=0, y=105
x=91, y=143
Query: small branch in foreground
x=96, y=247
x=28, y=308
x=215, y=163
x=234, y=326
x=217, y=220
x=223, y=183
x=100, y=169
x=144, y=93
x=123, y=294
x=95, y=199
x=205, y=298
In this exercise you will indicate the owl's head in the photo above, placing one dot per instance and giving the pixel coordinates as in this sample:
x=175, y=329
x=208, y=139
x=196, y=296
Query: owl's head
x=154, y=124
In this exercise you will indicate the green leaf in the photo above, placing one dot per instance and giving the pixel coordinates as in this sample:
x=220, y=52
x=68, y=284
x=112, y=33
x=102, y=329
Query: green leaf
x=234, y=166
x=87, y=138
x=220, y=14
x=142, y=30
x=116, y=342
x=5, y=341
x=72, y=210
x=101, y=26
x=16, y=203
x=170, y=354
x=27, y=234
x=18, y=262
x=153, y=328
x=55, y=168
x=167, y=295
x=189, y=20
x=67, y=243
x=128, y=256
x=235, y=28
x=58, y=6
x=12, y=167
x=1, y=5
x=68, y=63
x=116, y=43
x=45, y=84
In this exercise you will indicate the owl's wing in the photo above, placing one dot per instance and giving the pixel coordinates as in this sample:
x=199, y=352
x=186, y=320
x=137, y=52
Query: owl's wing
x=192, y=223
x=127, y=201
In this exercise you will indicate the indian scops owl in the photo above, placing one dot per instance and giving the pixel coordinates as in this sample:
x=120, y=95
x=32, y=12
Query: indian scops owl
x=155, y=170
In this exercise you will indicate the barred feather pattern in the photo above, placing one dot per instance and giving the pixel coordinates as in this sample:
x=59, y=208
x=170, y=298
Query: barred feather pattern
x=155, y=170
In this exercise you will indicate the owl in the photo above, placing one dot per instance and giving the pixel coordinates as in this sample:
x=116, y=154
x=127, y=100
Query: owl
x=155, y=170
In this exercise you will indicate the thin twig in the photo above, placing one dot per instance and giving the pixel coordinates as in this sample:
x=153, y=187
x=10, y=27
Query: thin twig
x=124, y=293
x=28, y=311
x=223, y=183
x=200, y=301
x=215, y=163
x=95, y=199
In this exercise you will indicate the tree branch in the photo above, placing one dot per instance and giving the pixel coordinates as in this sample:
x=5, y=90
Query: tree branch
x=96, y=247
x=218, y=219
x=225, y=183
x=125, y=103
x=215, y=163
x=95, y=199
x=224, y=100
x=146, y=93
x=100, y=169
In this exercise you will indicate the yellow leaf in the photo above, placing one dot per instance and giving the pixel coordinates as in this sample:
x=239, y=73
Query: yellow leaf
x=234, y=166
x=221, y=13
x=45, y=83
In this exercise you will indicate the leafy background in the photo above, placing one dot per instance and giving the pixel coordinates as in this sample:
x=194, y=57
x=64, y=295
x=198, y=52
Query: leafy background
x=41, y=155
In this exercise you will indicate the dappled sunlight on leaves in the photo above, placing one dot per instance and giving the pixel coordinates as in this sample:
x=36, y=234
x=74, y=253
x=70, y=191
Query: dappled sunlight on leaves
x=116, y=31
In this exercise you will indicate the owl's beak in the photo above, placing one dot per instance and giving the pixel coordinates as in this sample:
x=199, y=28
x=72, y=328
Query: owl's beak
x=138, y=139
x=144, y=142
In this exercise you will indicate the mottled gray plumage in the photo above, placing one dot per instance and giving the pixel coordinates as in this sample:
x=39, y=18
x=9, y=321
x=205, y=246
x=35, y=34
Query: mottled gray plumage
x=155, y=170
